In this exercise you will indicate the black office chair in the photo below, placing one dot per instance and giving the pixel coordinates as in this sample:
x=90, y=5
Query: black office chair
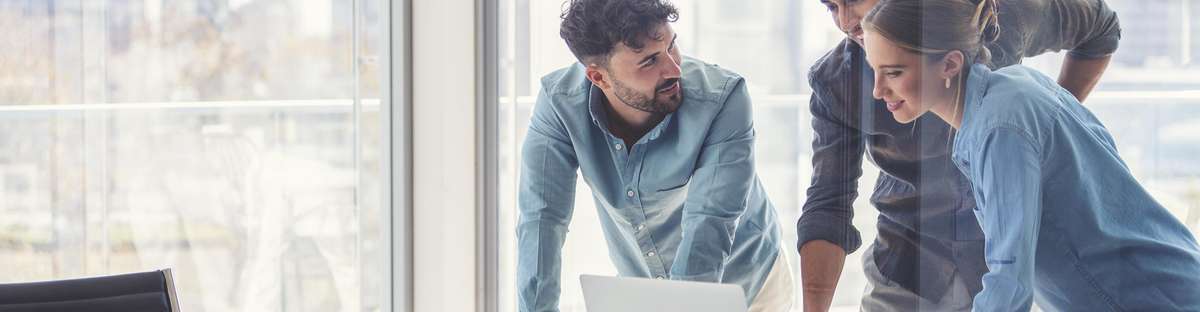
x=137, y=292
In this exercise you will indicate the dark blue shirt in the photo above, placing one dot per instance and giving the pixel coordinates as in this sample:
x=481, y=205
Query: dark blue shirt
x=927, y=229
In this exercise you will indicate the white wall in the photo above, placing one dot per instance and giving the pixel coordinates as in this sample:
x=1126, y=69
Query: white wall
x=444, y=194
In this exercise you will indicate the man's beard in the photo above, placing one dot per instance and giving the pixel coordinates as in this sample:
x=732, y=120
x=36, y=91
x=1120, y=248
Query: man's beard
x=646, y=103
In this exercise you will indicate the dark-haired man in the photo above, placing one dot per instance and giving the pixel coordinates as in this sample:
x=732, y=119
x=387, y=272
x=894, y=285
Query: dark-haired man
x=928, y=255
x=666, y=144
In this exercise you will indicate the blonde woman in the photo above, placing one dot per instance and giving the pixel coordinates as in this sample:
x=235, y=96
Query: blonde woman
x=1064, y=221
x=927, y=254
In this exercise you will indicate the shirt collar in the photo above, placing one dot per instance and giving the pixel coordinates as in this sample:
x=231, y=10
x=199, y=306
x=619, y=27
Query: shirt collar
x=596, y=107
x=977, y=81
x=976, y=85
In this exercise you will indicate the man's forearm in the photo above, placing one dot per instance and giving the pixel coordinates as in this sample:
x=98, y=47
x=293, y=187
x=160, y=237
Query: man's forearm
x=1080, y=75
x=820, y=267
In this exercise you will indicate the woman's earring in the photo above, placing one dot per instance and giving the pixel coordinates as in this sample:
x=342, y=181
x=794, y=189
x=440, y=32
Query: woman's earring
x=947, y=83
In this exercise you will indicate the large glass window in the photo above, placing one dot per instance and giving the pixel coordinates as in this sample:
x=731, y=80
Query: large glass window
x=1146, y=98
x=239, y=142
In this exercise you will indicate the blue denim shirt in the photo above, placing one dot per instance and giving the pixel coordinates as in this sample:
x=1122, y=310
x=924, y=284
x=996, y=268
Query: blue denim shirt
x=1064, y=220
x=927, y=231
x=683, y=202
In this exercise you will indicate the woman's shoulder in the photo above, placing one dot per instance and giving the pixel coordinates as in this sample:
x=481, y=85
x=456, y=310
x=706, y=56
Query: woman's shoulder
x=1019, y=86
x=1018, y=97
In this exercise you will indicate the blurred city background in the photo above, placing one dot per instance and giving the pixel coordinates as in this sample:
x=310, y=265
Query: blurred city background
x=238, y=142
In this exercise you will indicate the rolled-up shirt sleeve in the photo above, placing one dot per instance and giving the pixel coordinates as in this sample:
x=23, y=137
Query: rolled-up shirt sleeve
x=837, y=165
x=1087, y=28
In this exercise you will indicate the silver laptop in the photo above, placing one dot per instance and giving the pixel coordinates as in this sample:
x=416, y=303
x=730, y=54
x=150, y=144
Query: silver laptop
x=625, y=294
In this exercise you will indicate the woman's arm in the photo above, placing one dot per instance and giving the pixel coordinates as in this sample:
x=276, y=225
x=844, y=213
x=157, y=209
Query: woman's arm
x=1006, y=170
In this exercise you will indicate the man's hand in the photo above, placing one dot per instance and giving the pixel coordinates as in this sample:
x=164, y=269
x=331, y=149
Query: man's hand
x=820, y=267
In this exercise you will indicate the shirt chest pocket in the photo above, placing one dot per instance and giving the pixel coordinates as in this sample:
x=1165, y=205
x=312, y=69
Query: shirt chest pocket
x=664, y=177
x=664, y=190
x=669, y=192
x=674, y=185
x=666, y=174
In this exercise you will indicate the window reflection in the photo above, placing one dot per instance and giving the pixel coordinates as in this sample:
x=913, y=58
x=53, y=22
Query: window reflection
x=1146, y=98
x=238, y=142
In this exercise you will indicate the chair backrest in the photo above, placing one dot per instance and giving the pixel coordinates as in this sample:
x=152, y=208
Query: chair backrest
x=146, y=291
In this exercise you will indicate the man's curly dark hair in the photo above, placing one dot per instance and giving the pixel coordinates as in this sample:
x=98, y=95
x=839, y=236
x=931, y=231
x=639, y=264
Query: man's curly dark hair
x=592, y=28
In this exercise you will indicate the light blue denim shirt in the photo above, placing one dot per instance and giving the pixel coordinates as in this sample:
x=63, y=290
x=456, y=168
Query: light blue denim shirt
x=1065, y=222
x=682, y=203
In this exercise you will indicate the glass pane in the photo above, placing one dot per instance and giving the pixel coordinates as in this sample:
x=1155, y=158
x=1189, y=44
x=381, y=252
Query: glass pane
x=1147, y=99
x=237, y=142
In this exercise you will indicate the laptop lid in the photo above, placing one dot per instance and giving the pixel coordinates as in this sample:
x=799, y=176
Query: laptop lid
x=624, y=294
